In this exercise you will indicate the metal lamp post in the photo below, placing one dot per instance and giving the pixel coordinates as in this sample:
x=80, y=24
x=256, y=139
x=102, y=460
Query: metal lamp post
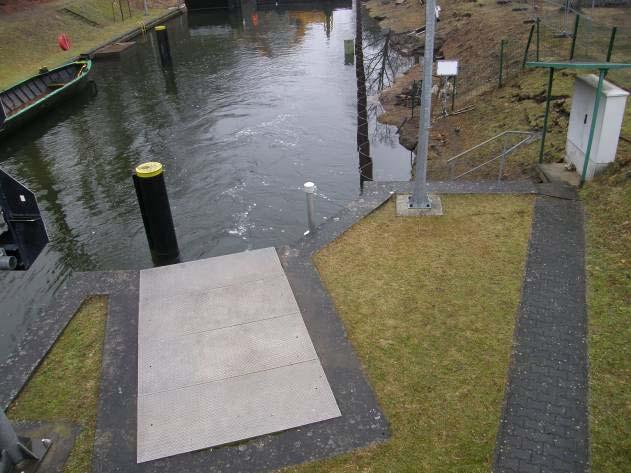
x=419, y=198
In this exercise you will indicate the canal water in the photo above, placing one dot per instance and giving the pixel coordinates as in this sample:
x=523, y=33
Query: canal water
x=257, y=103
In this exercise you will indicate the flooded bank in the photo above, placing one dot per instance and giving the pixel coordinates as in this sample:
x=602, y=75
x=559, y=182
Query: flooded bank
x=257, y=103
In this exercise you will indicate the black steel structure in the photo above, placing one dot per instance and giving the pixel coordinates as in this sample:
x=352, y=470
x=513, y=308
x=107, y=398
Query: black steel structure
x=22, y=231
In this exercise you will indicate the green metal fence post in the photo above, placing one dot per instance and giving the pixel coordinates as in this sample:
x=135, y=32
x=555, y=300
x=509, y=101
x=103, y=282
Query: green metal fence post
x=532, y=30
x=592, y=126
x=502, y=42
x=538, y=37
x=612, y=38
x=574, y=35
x=545, y=117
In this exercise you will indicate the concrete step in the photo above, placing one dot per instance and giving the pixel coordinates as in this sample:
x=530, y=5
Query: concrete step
x=557, y=172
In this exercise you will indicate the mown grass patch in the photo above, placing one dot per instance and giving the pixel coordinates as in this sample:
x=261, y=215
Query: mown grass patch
x=65, y=387
x=28, y=39
x=608, y=206
x=429, y=305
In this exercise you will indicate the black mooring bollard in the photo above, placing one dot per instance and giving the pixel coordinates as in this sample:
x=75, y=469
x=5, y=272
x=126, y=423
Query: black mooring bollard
x=156, y=213
x=163, y=45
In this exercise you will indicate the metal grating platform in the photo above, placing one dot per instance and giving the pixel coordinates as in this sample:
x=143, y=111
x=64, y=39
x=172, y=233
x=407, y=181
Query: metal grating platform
x=223, y=356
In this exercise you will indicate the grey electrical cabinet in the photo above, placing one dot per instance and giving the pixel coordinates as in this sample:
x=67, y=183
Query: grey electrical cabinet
x=608, y=123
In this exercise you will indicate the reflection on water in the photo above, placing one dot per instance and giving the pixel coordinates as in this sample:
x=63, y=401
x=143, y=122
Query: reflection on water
x=363, y=140
x=257, y=103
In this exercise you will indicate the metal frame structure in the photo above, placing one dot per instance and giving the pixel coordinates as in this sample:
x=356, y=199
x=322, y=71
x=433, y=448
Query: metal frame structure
x=603, y=68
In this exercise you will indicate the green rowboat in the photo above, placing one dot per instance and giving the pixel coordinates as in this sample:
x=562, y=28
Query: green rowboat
x=34, y=96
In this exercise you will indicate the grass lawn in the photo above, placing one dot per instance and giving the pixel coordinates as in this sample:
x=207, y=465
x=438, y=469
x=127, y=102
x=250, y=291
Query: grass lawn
x=429, y=305
x=608, y=206
x=28, y=39
x=66, y=384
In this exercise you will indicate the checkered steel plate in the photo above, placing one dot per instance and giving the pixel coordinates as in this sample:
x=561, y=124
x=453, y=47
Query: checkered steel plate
x=234, y=409
x=217, y=354
x=224, y=355
x=230, y=305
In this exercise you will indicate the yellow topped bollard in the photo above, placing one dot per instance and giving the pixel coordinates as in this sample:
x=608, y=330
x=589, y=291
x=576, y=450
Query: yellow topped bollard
x=156, y=213
x=163, y=45
x=149, y=169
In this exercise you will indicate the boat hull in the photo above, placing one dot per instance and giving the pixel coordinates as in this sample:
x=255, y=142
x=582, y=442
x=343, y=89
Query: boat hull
x=18, y=121
x=195, y=5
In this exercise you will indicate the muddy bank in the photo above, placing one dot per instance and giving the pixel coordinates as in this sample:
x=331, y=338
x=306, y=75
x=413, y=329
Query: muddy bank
x=468, y=31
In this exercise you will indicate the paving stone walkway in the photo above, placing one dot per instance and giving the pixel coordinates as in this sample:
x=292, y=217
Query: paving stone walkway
x=544, y=425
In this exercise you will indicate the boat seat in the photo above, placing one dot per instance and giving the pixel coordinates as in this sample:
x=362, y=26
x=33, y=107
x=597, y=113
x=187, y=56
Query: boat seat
x=55, y=85
x=8, y=105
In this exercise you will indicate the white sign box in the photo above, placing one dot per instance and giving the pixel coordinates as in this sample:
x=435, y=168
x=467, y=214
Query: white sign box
x=447, y=68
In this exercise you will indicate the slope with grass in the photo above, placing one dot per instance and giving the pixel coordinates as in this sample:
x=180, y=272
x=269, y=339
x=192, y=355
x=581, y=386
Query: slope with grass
x=429, y=305
x=28, y=38
x=65, y=387
x=471, y=32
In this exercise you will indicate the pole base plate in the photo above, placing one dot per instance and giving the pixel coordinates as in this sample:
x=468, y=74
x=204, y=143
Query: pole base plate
x=52, y=455
x=404, y=210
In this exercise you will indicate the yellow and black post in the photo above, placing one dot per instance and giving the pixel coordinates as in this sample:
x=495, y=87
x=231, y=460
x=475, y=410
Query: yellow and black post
x=163, y=45
x=156, y=213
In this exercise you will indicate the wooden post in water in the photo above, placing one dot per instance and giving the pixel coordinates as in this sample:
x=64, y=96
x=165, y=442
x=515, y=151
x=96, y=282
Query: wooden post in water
x=349, y=51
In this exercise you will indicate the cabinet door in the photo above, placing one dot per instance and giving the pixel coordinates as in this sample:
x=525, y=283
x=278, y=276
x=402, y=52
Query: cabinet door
x=586, y=121
x=580, y=119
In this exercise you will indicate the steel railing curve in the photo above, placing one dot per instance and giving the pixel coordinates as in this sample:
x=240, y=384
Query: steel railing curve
x=529, y=137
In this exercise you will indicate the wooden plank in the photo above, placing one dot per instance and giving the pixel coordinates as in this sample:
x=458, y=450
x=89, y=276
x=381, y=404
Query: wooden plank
x=112, y=50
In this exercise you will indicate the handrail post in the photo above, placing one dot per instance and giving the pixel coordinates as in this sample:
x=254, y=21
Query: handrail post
x=532, y=30
x=574, y=34
x=452, y=165
x=502, y=42
x=502, y=159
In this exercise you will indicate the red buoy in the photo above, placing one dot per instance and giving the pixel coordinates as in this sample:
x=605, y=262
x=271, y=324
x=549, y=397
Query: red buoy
x=64, y=42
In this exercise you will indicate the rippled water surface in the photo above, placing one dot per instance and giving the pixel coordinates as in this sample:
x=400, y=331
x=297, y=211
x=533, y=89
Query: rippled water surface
x=257, y=104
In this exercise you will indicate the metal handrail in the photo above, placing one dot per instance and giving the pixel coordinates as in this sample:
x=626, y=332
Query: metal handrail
x=530, y=136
